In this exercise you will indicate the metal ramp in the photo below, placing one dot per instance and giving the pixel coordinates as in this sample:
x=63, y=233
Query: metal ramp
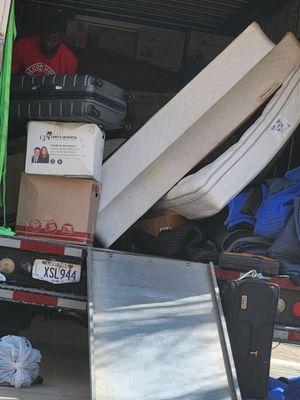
x=156, y=330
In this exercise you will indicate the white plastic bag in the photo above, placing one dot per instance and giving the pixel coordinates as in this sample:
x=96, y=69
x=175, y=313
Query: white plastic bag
x=18, y=361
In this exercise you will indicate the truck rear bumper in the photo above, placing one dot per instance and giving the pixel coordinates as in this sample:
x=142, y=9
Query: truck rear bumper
x=42, y=298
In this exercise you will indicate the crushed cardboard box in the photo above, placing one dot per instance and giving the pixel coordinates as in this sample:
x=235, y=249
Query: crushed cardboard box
x=57, y=208
x=161, y=47
x=153, y=226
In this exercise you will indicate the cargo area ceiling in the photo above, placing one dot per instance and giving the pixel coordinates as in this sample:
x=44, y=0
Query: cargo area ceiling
x=218, y=16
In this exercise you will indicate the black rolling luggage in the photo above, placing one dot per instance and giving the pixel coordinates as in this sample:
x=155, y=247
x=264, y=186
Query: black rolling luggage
x=250, y=308
x=78, y=98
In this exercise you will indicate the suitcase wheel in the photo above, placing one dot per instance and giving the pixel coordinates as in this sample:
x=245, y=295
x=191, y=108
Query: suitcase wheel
x=130, y=97
x=98, y=82
x=127, y=126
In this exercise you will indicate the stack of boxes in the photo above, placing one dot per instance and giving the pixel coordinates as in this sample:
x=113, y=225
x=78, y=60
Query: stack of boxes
x=60, y=190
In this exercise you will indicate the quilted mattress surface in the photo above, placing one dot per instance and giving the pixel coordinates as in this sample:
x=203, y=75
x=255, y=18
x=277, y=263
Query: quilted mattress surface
x=190, y=126
x=210, y=189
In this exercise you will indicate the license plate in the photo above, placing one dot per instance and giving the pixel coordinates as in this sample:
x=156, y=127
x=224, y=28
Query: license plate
x=56, y=272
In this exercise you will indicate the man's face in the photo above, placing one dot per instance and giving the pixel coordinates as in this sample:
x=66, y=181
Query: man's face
x=50, y=43
x=36, y=152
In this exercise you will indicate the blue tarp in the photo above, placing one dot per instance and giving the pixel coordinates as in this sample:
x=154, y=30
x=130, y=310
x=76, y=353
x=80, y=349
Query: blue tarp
x=278, y=196
x=284, y=390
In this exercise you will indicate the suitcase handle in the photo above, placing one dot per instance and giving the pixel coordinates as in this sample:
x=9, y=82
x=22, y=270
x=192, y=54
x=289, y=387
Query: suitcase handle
x=43, y=88
x=252, y=274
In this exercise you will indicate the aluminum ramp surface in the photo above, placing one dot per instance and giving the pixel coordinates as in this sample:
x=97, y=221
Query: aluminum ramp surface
x=156, y=330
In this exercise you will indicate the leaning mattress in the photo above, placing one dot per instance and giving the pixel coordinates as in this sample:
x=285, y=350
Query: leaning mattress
x=190, y=126
x=206, y=192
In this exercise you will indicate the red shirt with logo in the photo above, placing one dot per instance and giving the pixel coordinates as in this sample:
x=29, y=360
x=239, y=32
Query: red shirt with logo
x=28, y=59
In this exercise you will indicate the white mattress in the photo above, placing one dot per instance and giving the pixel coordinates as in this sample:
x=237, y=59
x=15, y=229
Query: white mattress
x=206, y=192
x=191, y=125
x=4, y=14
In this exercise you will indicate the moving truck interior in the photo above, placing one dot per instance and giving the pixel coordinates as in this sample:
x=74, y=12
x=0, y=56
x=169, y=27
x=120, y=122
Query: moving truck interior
x=152, y=49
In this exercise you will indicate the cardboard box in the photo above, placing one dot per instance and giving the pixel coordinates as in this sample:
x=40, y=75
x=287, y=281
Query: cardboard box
x=57, y=208
x=70, y=149
x=134, y=74
x=108, y=35
x=161, y=47
x=118, y=41
x=153, y=226
x=204, y=47
x=76, y=33
x=145, y=105
x=15, y=167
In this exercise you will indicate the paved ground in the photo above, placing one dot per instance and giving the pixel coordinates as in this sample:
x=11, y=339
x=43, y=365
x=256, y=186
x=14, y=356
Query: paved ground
x=64, y=366
x=285, y=361
x=64, y=348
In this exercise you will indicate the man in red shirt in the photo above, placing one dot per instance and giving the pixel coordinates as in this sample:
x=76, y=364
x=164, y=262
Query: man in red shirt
x=44, y=54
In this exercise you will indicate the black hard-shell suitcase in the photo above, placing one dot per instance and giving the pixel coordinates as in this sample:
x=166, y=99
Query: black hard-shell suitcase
x=78, y=98
x=250, y=308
